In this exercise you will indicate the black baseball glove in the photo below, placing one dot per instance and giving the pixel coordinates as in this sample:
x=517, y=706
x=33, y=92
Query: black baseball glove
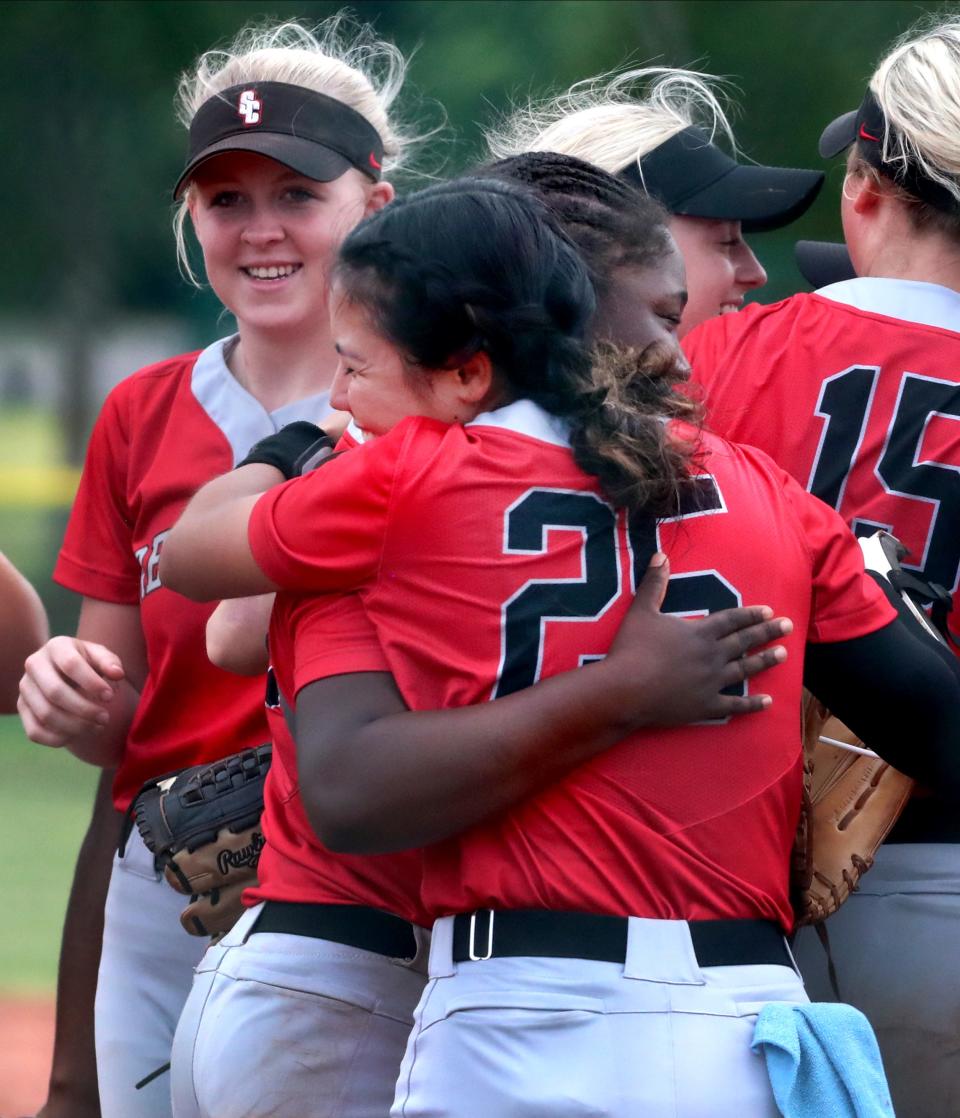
x=203, y=827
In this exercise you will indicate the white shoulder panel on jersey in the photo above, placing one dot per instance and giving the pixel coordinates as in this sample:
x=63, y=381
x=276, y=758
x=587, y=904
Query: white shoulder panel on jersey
x=311, y=408
x=526, y=418
x=240, y=416
x=927, y=304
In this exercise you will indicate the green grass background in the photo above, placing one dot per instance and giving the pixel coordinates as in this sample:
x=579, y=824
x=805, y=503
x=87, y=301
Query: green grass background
x=45, y=801
x=45, y=794
x=28, y=436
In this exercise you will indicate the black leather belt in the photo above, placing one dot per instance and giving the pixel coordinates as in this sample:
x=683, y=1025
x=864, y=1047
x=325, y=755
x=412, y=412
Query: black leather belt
x=487, y=934
x=353, y=925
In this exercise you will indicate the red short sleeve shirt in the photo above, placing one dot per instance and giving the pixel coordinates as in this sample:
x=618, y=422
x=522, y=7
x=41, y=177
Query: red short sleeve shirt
x=162, y=433
x=309, y=640
x=855, y=391
x=486, y=559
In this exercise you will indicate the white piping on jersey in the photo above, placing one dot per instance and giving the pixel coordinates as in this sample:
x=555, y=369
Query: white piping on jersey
x=240, y=416
x=356, y=433
x=927, y=304
x=523, y=416
x=527, y=418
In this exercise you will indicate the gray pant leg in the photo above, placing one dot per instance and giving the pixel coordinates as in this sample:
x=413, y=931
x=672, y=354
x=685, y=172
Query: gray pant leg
x=894, y=945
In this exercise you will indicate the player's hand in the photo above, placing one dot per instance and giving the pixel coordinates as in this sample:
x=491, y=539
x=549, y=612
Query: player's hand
x=673, y=669
x=67, y=690
x=335, y=423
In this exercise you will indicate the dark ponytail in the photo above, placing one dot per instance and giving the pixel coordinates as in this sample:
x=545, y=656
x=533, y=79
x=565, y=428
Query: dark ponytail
x=622, y=438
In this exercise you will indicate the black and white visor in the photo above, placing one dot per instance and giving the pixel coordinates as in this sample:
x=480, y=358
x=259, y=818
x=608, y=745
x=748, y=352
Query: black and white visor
x=313, y=134
x=692, y=177
x=867, y=127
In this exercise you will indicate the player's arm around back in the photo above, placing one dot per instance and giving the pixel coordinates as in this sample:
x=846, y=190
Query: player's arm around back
x=207, y=554
x=80, y=693
x=23, y=624
x=237, y=634
x=376, y=777
x=899, y=691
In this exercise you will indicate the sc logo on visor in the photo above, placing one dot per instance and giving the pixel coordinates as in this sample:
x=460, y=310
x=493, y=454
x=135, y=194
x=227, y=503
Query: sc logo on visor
x=249, y=106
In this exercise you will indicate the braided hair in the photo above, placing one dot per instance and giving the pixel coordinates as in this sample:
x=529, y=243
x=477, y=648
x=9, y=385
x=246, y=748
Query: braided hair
x=480, y=265
x=611, y=222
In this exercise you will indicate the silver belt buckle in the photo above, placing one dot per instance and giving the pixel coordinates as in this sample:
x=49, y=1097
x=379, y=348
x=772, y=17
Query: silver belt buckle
x=471, y=948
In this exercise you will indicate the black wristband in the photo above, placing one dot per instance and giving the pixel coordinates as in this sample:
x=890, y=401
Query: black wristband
x=294, y=450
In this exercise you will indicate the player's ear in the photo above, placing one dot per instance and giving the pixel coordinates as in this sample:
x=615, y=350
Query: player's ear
x=192, y=201
x=377, y=197
x=863, y=191
x=474, y=378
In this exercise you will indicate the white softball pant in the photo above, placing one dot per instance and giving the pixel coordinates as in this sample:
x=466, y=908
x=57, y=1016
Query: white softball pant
x=146, y=968
x=894, y=945
x=290, y=1026
x=655, y=1035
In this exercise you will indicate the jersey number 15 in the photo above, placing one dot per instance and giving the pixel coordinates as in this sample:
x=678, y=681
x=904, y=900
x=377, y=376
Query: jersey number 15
x=847, y=403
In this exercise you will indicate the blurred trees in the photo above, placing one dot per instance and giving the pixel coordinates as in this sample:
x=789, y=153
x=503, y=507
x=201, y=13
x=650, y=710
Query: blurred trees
x=91, y=146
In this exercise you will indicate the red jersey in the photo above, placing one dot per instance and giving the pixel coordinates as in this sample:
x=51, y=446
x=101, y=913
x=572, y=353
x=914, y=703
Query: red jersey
x=295, y=866
x=855, y=391
x=163, y=433
x=485, y=559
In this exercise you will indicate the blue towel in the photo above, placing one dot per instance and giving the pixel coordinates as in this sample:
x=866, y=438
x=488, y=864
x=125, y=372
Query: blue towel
x=823, y=1061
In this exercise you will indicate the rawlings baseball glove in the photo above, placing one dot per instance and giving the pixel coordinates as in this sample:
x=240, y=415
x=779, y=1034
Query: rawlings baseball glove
x=851, y=797
x=850, y=802
x=203, y=827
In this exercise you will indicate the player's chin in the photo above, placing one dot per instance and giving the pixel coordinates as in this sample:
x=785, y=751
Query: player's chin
x=369, y=433
x=275, y=315
x=691, y=320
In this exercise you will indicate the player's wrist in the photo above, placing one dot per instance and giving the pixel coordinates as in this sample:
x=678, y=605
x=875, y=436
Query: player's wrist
x=621, y=697
x=294, y=450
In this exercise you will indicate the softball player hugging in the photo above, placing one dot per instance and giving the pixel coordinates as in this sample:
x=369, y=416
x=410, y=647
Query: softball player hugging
x=604, y=913
x=314, y=991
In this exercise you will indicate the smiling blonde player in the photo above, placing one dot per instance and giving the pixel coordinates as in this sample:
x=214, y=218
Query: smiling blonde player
x=290, y=135
x=656, y=127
